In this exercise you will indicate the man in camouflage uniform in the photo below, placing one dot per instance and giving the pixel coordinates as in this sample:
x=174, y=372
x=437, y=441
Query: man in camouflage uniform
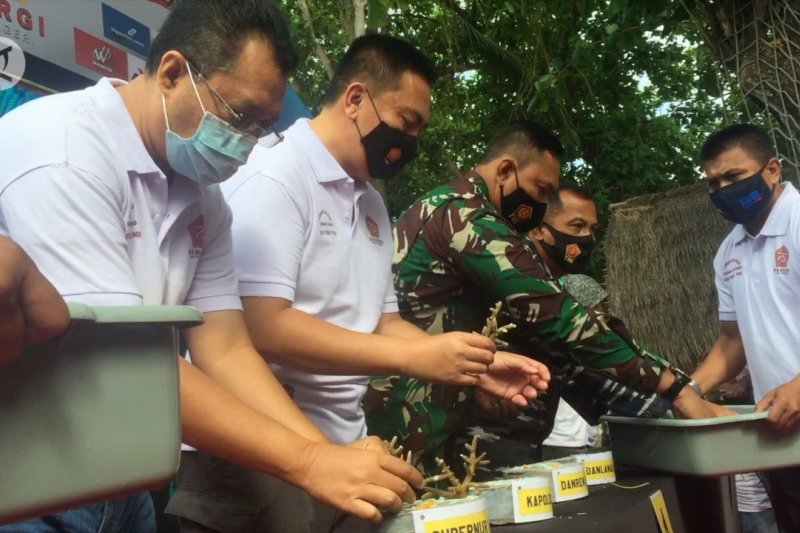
x=563, y=245
x=459, y=249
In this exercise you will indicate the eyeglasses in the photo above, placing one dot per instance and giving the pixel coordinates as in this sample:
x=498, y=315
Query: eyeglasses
x=267, y=134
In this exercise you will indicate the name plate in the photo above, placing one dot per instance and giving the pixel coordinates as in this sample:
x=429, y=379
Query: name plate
x=533, y=499
x=569, y=483
x=469, y=516
x=599, y=467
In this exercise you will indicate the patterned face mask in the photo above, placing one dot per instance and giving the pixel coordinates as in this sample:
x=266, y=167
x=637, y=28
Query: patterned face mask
x=388, y=149
x=744, y=200
x=570, y=252
x=521, y=210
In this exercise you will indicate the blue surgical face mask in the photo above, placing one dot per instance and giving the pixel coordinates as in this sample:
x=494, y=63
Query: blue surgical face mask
x=742, y=201
x=213, y=153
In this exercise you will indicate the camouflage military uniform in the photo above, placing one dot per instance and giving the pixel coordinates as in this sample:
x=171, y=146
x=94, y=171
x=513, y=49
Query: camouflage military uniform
x=455, y=257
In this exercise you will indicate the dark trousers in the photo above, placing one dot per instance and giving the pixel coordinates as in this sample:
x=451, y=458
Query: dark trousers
x=783, y=487
x=214, y=495
x=133, y=514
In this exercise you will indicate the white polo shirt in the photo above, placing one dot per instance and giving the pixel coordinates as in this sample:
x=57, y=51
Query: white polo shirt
x=758, y=284
x=80, y=193
x=303, y=230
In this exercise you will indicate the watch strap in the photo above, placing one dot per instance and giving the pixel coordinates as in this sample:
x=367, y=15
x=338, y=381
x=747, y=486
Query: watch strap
x=681, y=380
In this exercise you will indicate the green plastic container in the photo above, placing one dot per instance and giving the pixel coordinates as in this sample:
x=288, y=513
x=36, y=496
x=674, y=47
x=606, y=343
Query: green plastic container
x=746, y=442
x=94, y=414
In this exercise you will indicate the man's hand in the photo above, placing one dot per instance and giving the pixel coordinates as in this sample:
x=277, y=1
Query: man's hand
x=722, y=410
x=689, y=405
x=453, y=358
x=362, y=482
x=369, y=443
x=31, y=310
x=783, y=403
x=515, y=378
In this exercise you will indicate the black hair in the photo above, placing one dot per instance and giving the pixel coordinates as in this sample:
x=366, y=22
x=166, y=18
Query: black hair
x=211, y=33
x=518, y=138
x=749, y=137
x=380, y=62
x=554, y=203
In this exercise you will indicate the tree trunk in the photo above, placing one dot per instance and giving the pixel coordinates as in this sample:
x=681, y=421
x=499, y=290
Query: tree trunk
x=323, y=57
x=359, y=29
x=359, y=17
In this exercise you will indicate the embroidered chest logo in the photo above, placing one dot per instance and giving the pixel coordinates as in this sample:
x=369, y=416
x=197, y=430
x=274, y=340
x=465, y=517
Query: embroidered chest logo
x=732, y=269
x=374, y=231
x=781, y=260
x=197, y=231
x=131, y=226
x=326, y=223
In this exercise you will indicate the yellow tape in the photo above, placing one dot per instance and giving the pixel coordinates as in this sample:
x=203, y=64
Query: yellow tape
x=470, y=523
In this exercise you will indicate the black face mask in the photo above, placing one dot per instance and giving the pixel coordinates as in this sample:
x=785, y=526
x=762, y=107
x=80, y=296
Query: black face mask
x=742, y=201
x=521, y=210
x=570, y=252
x=388, y=149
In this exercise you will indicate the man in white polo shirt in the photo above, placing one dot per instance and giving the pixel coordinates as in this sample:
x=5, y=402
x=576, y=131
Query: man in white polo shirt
x=111, y=191
x=318, y=295
x=313, y=246
x=31, y=310
x=758, y=284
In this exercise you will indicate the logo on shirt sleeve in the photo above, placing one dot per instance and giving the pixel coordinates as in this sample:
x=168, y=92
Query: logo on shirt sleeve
x=782, y=260
x=197, y=232
x=374, y=231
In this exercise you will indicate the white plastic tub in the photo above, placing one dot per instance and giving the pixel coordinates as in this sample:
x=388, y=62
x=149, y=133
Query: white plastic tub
x=94, y=414
x=705, y=447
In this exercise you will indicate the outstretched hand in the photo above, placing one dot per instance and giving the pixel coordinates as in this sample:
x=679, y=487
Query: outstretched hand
x=515, y=378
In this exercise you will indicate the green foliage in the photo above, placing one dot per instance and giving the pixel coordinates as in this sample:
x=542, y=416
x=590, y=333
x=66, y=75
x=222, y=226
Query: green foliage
x=628, y=85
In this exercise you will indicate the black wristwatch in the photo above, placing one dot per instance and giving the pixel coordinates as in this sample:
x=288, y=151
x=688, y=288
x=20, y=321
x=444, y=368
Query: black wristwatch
x=681, y=380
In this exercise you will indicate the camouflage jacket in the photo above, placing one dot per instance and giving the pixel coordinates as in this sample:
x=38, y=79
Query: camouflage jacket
x=455, y=257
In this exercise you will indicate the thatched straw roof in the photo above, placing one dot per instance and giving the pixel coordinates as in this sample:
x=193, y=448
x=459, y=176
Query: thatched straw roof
x=660, y=276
